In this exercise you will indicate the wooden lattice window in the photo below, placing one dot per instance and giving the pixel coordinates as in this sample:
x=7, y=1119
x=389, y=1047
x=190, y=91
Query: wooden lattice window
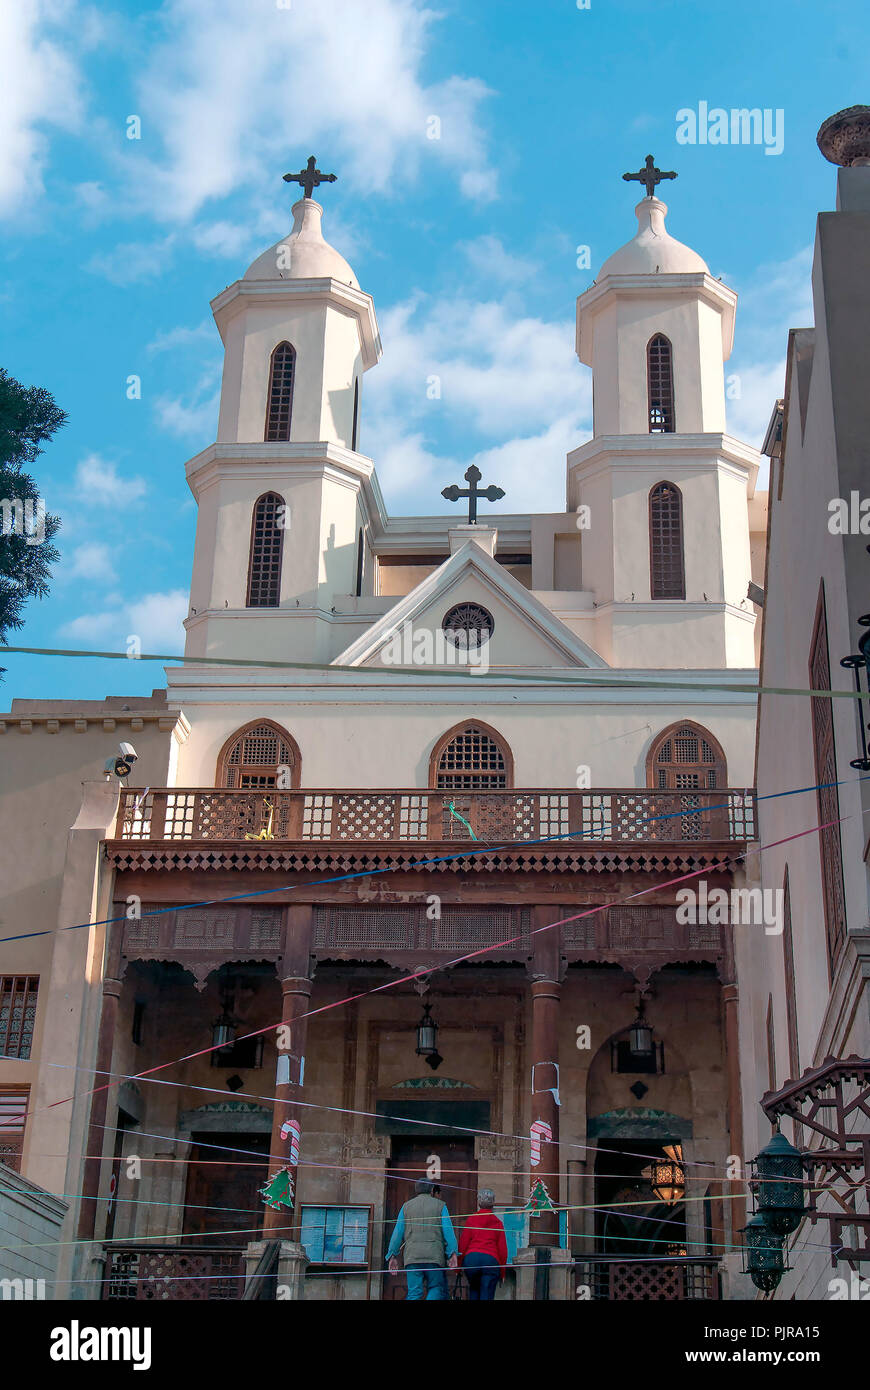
x=686, y=757
x=267, y=545
x=255, y=756
x=471, y=757
x=660, y=384
x=279, y=406
x=667, y=577
x=13, y=1116
x=827, y=795
x=17, y=1014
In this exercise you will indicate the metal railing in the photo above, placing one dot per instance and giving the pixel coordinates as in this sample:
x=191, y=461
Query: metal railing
x=612, y=816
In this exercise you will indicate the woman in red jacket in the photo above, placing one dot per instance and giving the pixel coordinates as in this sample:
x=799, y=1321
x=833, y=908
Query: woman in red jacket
x=483, y=1248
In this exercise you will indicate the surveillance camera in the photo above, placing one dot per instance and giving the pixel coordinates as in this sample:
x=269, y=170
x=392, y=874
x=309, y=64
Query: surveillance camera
x=128, y=752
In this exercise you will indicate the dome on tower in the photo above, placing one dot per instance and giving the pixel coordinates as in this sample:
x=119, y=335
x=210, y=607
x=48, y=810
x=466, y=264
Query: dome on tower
x=653, y=251
x=304, y=254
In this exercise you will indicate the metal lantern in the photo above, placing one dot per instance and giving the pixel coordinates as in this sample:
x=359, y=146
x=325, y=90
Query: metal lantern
x=763, y=1258
x=778, y=1185
x=667, y=1176
x=427, y=1035
x=640, y=1035
x=223, y=1030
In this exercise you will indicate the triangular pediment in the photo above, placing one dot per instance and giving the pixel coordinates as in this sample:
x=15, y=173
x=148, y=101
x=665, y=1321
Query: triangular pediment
x=525, y=633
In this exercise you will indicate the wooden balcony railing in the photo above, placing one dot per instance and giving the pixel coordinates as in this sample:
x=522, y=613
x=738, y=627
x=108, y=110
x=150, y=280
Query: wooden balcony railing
x=165, y=1273
x=675, y=1278
x=495, y=817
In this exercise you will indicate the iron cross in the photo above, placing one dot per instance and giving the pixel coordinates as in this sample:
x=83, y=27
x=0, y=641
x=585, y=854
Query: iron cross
x=649, y=175
x=473, y=477
x=309, y=177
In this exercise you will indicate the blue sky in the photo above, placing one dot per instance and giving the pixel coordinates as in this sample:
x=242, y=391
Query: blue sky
x=112, y=248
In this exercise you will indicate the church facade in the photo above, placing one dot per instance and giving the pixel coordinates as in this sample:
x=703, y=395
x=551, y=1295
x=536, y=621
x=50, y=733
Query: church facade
x=393, y=886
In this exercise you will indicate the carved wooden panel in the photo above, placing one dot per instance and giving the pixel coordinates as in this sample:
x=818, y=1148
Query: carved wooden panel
x=409, y=928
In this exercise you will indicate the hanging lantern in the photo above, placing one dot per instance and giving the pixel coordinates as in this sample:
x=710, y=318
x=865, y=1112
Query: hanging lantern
x=667, y=1176
x=763, y=1258
x=640, y=1035
x=223, y=1030
x=427, y=1036
x=778, y=1187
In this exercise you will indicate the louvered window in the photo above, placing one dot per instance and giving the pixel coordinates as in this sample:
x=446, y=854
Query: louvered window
x=253, y=757
x=660, y=383
x=17, y=1014
x=267, y=541
x=827, y=796
x=667, y=576
x=471, y=760
x=280, y=401
x=686, y=758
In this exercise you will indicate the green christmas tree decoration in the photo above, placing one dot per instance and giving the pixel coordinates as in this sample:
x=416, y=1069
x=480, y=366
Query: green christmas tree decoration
x=278, y=1191
x=539, y=1199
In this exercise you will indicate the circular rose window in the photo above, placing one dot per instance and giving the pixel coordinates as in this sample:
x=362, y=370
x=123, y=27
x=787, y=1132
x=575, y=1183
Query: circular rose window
x=468, y=626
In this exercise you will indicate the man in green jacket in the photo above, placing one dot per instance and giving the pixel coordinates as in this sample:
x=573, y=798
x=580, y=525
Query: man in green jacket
x=424, y=1227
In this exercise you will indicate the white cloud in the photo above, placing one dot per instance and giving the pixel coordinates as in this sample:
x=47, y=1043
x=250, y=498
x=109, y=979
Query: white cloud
x=509, y=384
x=156, y=619
x=194, y=416
x=40, y=88
x=133, y=261
x=778, y=297
x=227, y=95
x=90, y=561
x=487, y=257
x=98, y=484
x=182, y=337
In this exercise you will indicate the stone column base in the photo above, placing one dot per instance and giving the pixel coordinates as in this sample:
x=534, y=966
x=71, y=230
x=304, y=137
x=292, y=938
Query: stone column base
x=560, y=1273
x=292, y=1264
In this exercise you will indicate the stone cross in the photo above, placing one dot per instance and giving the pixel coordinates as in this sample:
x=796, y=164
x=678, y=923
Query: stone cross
x=649, y=175
x=473, y=477
x=309, y=177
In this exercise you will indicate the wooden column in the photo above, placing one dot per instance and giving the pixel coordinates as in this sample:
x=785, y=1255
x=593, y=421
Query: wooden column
x=734, y=1205
x=96, y=1132
x=296, y=986
x=546, y=991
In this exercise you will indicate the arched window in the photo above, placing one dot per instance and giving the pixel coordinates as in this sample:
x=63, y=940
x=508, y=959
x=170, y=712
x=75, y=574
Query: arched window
x=253, y=756
x=355, y=431
x=686, y=757
x=660, y=384
x=267, y=543
x=471, y=757
x=279, y=403
x=667, y=577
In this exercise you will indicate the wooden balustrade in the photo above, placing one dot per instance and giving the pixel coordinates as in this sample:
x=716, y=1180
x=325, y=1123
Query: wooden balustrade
x=620, y=816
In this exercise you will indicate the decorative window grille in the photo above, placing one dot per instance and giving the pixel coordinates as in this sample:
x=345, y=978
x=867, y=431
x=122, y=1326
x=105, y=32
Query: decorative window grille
x=267, y=542
x=827, y=796
x=468, y=626
x=660, y=383
x=667, y=574
x=252, y=758
x=13, y=1117
x=472, y=760
x=790, y=991
x=686, y=757
x=17, y=1014
x=280, y=400
x=354, y=437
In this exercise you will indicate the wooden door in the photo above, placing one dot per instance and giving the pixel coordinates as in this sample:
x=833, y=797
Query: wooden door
x=224, y=1174
x=410, y=1161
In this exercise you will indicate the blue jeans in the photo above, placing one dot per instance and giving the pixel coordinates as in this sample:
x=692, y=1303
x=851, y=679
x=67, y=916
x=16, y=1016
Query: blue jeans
x=482, y=1273
x=422, y=1276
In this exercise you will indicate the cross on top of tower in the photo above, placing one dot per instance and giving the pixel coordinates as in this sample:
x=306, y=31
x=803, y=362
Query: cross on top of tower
x=309, y=177
x=473, y=477
x=649, y=175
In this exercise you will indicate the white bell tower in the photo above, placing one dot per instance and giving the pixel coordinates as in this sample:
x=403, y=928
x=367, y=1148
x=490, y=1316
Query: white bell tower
x=279, y=493
x=667, y=488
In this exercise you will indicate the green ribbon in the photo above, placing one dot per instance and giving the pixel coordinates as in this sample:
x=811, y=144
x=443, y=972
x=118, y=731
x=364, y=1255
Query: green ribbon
x=453, y=811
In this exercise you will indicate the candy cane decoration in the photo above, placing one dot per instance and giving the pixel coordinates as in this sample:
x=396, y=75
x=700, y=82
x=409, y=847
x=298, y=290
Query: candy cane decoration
x=290, y=1130
x=539, y=1133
